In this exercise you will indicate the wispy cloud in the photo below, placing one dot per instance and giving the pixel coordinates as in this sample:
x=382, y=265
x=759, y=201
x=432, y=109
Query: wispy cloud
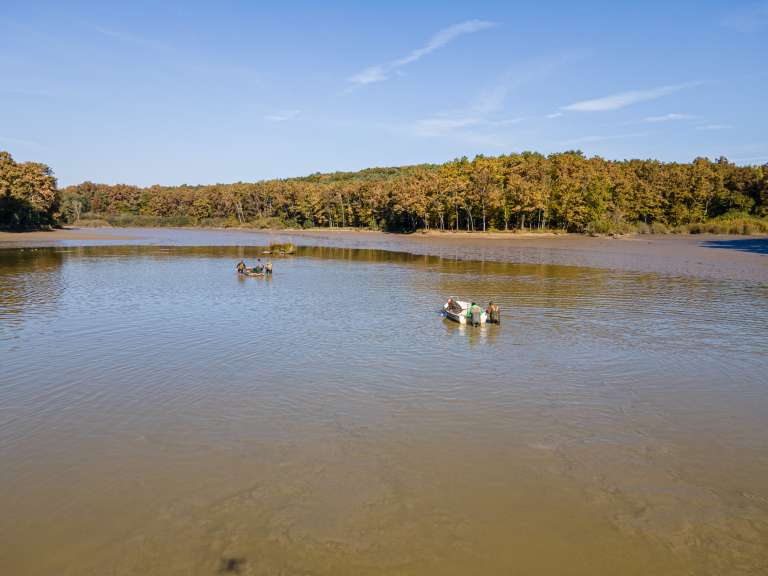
x=382, y=72
x=554, y=115
x=468, y=131
x=212, y=71
x=282, y=115
x=492, y=98
x=713, y=127
x=441, y=125
x=672, y=117
x=602, y=138
x=485, y=120
x=126, y=37
x=623, y=99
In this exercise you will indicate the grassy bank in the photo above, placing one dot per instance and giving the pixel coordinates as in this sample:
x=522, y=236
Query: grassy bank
x=735, y=223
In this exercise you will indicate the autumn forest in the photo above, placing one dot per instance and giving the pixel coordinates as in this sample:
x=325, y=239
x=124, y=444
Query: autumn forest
x=529, y=191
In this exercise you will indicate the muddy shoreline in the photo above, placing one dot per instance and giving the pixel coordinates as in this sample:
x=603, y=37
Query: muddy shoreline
x=743, y=258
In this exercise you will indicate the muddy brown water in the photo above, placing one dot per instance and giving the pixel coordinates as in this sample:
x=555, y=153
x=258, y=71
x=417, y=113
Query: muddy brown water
x=160, y=415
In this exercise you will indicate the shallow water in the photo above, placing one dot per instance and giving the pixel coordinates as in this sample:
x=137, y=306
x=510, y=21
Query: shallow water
x=160, y=415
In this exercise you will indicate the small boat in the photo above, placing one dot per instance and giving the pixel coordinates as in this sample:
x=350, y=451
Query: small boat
x=250, y=272
x=458, y=312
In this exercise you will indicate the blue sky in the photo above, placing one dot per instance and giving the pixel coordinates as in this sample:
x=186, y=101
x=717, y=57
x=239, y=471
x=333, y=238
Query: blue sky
x=171, y=93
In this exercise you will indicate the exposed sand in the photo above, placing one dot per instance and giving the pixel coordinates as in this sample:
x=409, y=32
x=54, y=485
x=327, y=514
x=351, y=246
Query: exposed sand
x=704, y=256
x=28, y=238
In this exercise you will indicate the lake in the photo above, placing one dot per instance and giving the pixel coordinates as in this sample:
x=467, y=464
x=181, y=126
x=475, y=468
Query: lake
x=161, y=415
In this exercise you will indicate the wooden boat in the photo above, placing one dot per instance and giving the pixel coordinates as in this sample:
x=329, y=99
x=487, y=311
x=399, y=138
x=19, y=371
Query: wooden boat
x=459, y=313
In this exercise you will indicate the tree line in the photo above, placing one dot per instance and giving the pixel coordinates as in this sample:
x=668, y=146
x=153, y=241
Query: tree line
x=566, y=191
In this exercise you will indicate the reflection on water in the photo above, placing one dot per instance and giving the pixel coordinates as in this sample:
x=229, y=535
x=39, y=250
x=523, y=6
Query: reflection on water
x=30, y=281
x=160, y=415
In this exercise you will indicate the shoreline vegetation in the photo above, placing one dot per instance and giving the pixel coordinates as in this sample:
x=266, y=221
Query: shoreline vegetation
x=527, y=192
x=728, y=224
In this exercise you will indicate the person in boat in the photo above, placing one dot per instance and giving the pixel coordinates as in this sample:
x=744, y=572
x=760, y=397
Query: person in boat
x=259, y=268
x=493, y=312
x=268, y=268
x=473, y=314
x=454, y=306
x=241, y=267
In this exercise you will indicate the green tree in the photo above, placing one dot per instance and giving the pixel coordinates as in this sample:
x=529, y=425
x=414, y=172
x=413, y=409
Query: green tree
x=29, y=197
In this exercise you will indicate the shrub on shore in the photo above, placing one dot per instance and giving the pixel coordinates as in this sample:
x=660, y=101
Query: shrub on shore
x=745, y=226
x=93, y=223
x=729, y=223
x=611, y=223
x=652, y=228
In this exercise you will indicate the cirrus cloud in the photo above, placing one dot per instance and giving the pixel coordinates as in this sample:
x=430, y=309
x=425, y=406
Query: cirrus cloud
x=282, y=115
x=623, y=99
x=672, y=117
x=382, y=72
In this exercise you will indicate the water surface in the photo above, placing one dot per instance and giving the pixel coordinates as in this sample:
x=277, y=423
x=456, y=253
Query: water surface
x=160, y=415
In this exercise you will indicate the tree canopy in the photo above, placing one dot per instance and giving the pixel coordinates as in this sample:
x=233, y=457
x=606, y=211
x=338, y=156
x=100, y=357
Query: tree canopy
x=28, y=194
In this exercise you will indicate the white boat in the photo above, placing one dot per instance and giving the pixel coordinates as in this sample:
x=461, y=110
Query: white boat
x=461, y=316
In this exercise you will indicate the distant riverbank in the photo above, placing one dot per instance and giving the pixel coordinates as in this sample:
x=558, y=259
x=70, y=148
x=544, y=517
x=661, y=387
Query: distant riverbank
x=704, y=256
x=31, y=237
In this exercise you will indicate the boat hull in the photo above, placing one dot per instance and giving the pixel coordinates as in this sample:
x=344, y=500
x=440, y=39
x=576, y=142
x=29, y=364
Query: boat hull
x=461, y=317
